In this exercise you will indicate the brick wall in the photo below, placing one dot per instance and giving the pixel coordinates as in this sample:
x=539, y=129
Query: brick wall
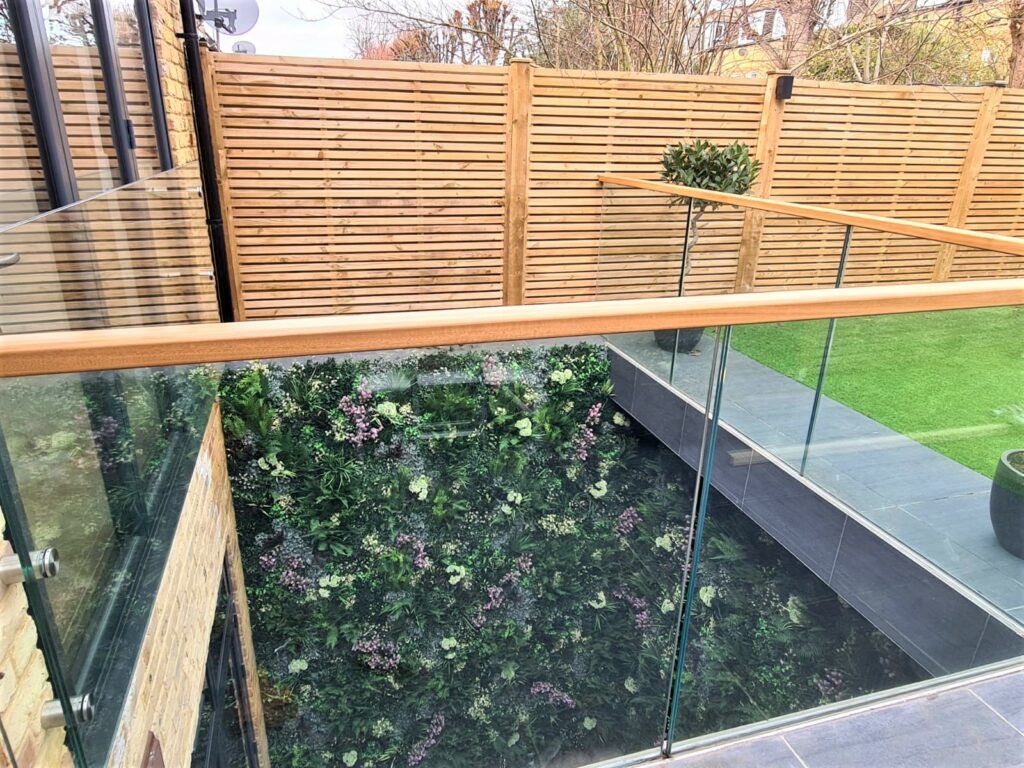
x=24, y=683
x=173, y=77
x=166, y=688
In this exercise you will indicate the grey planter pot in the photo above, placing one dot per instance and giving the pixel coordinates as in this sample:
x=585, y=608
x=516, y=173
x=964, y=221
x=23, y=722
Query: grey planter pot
x=689, y=338
x=1006, y=504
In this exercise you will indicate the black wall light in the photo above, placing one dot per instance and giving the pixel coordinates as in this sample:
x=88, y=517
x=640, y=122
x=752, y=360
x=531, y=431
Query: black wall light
x=784, y=87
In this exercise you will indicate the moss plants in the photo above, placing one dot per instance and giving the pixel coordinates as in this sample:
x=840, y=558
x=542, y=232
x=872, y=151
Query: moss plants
x=473, y=558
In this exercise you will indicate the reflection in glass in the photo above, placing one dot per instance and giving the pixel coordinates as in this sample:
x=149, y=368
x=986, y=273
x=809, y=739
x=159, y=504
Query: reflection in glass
x=76, y=480
x=134, y=78
x=22, y=186
x=138, y=255
x=76, y=63
x=456, y=558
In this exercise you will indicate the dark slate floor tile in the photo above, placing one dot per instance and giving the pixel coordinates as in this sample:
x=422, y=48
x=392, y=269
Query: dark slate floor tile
x=694, y=422
x=914, y=608
x=759, y=753
x=1006, y=696
x=950, y=730
x=805, y=524
x=998, y=643
x=623, y=374
x=730, y=465
x=659, y=410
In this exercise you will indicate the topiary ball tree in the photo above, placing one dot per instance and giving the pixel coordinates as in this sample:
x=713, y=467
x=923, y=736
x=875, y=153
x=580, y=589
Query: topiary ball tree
x=704, y=165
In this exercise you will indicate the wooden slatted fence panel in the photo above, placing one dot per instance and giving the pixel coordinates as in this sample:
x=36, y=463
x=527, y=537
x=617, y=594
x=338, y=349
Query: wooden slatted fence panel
x=887, y=150
x=587, y=242
x=359, y=186
x=363, y=186
x=997, y=204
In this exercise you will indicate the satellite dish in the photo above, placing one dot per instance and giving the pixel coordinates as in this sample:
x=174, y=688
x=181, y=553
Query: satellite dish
x=243, y=46
x=236, y=18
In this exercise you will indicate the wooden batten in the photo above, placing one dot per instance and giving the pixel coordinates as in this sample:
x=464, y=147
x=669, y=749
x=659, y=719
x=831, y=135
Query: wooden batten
x=969, y=172
x=517, y=175
x=117, y=348
x=768, y=132
x=932, y=232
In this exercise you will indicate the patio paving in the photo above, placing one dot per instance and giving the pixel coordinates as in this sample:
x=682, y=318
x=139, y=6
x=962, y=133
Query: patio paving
x=930, y=503
x=978, y=723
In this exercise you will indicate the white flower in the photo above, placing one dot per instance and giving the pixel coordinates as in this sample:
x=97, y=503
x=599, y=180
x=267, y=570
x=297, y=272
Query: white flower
x=525, y=427
x=448, y=643
x=458, y=573
x=599, y=489
x=589, y=723
x=389, y=411
x=599, y=602
x=350, y=757
x=559, y=526
x=667, y=605
x=619, y=419
x=562, y=376
x=631, y=685
x=298, y=665
x=515, y=498
x=420, y=487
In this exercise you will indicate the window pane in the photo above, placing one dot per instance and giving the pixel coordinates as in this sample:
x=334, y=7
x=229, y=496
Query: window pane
x=22, y=186
x=76, y=64
x=136, y=93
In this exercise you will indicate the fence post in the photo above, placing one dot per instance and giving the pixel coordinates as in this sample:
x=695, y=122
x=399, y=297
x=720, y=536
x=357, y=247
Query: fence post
x=517, y=179
x=234, y=275
x=969, y=172
x=768, y=131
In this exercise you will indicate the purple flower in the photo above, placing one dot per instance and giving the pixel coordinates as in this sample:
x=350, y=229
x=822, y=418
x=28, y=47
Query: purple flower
x=358, y=413
x=586, y=438
x=627, y=522
x=295, y=581
x=496, y=597
x=553, y=695
x=379, y=654
x=493, y=372
x=419, y=551
x=523, y=565
x=419, y=751
x=641, y=612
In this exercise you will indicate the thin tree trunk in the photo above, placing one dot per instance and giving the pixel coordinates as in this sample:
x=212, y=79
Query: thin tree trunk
x=1015, y=77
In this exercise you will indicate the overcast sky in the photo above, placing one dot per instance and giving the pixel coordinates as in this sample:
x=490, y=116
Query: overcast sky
x=282, y=31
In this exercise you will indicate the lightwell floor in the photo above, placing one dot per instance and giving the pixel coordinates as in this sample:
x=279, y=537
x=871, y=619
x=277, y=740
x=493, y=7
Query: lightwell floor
x=930, y=503
x=974, y=723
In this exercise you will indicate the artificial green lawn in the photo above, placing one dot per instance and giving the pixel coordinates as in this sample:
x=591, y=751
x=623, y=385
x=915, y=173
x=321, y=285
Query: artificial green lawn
x=953, y=381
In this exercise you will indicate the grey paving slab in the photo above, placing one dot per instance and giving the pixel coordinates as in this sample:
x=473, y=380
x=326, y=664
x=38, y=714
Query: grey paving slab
x=864, y=464
x=760, y=753
x=949, y=730
x=1006, y=696
x=974, y=725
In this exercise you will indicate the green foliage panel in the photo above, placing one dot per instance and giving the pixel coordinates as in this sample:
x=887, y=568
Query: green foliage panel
x=473, y=558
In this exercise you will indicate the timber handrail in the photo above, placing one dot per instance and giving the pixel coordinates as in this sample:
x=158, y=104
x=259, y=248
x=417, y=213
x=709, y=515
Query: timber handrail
x=148, y=346
x=935, y=232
